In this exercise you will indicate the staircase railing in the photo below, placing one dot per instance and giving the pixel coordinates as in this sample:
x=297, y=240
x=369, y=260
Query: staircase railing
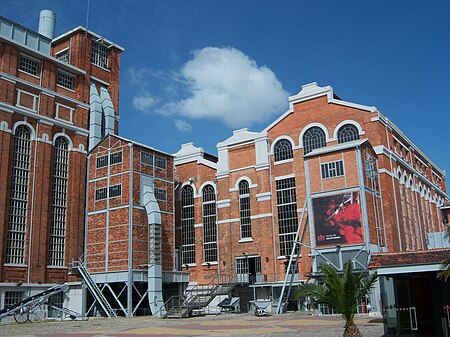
x=93, y=288
x=199, y=296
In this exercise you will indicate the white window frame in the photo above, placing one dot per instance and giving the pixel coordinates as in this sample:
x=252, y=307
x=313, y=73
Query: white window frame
x=71, y=110
x=35, y=100
x=61, y=72
x=63, y=51
x=38, y=65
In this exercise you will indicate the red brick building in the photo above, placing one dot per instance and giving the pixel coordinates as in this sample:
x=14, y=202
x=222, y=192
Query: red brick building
x=359, y=184
x=53, y=91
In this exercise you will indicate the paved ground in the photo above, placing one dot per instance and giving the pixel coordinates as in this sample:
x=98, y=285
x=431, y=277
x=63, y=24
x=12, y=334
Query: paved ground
x=290, y=324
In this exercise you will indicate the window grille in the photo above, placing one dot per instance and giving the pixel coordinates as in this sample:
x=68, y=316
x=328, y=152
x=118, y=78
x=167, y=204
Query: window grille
x=115, y=191
x=282, y=150
x=332, y=169
x=18, y=200
x=160, y=162
x=63, y=56
x=59, y=202
x=242, y=266
x=13, y=297
x=65, y=80
x=115, y=158
x=293, y=269
x=287, y=214
x=313, y=138
x=187, y=225
x=101, y=193
x=347, y=133
x=99, y=54
x=160, y=194
x=146, y=158
x=153, y=160
x=244, y=209
x=102, y=161
x=209, y=224
x=29, y=65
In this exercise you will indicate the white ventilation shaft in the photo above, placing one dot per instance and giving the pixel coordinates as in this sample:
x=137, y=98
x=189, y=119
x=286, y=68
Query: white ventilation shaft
x=47, y=21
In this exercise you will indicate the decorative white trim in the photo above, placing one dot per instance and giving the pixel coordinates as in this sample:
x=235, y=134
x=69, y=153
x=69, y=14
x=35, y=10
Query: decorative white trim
x=310, y=125
x=4, y=127
x=80, y=149
x=279, y=138
x=244, y=240
x=208, y=182
x=259, y=216
x=71, y=110
x=35, y=99
x=60, y=134
x=198, y=225
x=189, y=183
x=236, y=184
x=33, y=133
x=284, y=161
x=45, y=139
x=348, y=121
x=223, y=203
x=265, y=196
x=221, y=222
x=213, y=263
x=285, y=177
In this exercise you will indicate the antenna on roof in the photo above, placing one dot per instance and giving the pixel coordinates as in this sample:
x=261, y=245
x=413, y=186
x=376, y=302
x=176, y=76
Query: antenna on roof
x=87, y=18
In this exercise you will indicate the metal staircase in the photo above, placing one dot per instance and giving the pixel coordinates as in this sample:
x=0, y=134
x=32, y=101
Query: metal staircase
x=93, y=288
x=199, y=297
x=30, y=308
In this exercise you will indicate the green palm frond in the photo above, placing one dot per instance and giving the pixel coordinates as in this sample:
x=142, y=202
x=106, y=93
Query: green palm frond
x=342, y=291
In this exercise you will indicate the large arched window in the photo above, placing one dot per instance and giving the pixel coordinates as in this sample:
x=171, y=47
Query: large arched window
x=209, y=224
x=18, y=199
x=244, y=209
x=282, y=150
x=187, y=225
x=313, y=138
x=59, y=202
x=347, y=133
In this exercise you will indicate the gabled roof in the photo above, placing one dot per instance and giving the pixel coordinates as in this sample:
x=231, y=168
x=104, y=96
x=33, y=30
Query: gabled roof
x=241, y=136
x=191, y=153
x=312, y=90
x=95, y=35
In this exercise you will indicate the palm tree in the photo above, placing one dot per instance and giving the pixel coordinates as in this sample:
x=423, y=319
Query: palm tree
x=343, y=292
x=445, y=274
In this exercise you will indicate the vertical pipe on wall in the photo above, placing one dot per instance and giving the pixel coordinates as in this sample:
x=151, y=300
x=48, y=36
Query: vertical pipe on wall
x=130, y=236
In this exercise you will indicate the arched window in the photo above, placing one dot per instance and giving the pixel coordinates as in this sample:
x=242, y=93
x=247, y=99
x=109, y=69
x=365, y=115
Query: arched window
x=313, y=138
x=347, y=133
x=59, y=202
x=244, y=209
x=282, y=150
x=209, y=224
x=187, y=225
x=18, y=199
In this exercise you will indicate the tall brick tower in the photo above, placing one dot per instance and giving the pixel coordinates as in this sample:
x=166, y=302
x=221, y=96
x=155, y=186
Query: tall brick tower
x=58, y=98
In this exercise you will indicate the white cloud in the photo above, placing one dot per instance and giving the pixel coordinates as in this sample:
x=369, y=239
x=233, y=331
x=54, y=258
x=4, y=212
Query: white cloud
x=144, y=101
x=182, y=125
x=225, y=84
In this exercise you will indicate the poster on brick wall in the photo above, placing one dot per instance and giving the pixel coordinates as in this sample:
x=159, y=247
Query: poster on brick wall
x=337, y=219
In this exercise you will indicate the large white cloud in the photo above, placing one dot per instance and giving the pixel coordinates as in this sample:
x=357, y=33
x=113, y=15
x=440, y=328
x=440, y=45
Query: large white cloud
x=182, y=125
x=225, y=84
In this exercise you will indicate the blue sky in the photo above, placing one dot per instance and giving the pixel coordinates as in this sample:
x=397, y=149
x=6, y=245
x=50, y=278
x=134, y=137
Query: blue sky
x=394, y=55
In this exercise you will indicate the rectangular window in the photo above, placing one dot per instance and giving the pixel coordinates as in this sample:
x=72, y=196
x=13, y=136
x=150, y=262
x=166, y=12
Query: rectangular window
x=160, y=194
x=102, y=161
x=63, y=56
x=101, y=193
x=29, y=65
x=99, y=54
x=287, y=214
x=153, y=160
x=146, y=158
x=13, y=297
x=160, y=162
x=115, y=191
x=55, y=302
x=115, y=158
x=332, y=169
x=65, y=80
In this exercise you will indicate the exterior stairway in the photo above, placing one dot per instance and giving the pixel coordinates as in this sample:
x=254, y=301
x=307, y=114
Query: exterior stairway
x=93, y=288
x=198, y=297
